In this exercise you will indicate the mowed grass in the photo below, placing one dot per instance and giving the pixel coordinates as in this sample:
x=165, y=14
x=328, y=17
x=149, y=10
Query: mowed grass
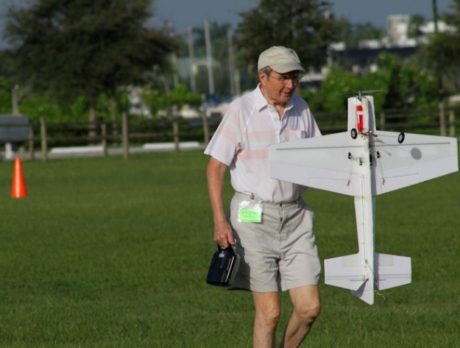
x=112, y=253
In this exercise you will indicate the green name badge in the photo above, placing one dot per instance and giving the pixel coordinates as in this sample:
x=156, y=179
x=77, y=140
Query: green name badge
x=251, y=213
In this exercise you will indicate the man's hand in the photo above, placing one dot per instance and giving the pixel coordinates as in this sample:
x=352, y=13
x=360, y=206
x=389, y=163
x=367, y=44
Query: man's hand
x=223, y=234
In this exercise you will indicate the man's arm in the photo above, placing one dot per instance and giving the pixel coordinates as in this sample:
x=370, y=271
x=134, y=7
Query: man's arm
x=223, y=234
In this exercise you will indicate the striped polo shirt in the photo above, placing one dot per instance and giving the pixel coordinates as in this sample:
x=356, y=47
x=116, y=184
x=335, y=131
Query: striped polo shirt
x=242, y=139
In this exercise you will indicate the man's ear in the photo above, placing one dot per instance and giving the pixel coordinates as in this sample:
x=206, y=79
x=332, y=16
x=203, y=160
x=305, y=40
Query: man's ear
x=262, y=76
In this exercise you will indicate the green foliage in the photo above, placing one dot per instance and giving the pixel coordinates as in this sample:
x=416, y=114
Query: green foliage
x=351, y=33
x=5, y=96
x=395, y=84
x=179, y=96
x=78, y=108
x=442, y=53
x=407, y=84
x=340, y=84
x=300, y=24
x=415, y=22
x=44, y=105
x=154, y=100
x=84, y=47
x=36, y=105
x=453, y=16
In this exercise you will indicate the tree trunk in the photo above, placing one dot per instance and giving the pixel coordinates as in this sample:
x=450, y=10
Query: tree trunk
x=92, y=122
x=113, y=116
x=15, y=100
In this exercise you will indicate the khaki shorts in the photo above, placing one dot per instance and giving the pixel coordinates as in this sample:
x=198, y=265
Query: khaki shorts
x=278, y=254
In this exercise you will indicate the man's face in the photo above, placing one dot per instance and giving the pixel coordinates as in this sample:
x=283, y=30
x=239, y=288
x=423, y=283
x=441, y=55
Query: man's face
x=279, y=88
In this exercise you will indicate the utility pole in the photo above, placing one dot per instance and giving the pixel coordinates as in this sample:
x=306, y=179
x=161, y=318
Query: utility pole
x=175, y=68
x=441, y=113
x=231, y=62
x=192, y=60
x=175, y=78
x=209, y=58
x=434, y=5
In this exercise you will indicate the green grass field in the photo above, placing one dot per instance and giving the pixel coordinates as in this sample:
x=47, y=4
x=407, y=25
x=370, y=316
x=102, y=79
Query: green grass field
x=112, y=253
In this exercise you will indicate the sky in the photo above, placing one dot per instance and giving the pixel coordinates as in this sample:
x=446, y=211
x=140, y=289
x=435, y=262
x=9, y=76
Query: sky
x=185, y=13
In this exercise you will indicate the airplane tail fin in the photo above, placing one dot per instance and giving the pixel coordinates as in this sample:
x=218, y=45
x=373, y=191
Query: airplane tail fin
x=350, y=272
x=345, y=272
x=392, y=271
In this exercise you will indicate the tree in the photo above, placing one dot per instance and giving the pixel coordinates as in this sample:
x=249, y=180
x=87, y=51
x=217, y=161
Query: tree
x=84, y=47
x=179, y=96
x=352, y=33
x=396, y=84
x=304, y=25
x=442, y=53
x=416, y=21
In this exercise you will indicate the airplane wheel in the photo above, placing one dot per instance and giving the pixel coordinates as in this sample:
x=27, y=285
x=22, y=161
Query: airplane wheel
x=353, y=133
x=401, y=137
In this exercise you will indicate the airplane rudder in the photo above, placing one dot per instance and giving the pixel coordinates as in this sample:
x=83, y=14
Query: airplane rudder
x=392, y=271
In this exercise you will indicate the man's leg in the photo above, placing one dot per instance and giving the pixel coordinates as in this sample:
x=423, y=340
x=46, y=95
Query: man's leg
x=267, y=307
x=306, y=304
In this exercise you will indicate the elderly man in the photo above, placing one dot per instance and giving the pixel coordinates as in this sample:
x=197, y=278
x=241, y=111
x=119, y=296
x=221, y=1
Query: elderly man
x=269, y=224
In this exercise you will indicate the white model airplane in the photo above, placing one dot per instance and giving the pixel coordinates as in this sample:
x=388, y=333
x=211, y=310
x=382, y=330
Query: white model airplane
x=363, y=163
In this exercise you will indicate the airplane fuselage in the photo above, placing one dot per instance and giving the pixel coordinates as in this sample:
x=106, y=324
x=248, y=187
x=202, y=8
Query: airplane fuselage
x=364, y=163
x=365, y=214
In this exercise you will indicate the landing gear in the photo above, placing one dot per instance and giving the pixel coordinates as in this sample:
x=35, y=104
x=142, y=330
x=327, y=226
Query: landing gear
x=401, y=137
x=353, y=133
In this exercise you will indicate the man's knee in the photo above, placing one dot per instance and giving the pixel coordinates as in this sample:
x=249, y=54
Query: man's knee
x=308, y=311
x=306, y=303
x=267, y=309
x=269, y=315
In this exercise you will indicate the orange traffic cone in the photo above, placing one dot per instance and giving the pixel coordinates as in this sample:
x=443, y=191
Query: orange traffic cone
x=18, y=185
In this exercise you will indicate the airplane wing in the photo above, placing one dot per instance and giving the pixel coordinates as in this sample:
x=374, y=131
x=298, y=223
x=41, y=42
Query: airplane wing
x=320, y=162
x=324, y=163
x=417, y=159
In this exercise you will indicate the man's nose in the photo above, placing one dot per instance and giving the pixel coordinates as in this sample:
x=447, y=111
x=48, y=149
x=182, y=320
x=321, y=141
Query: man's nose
x=289, y=83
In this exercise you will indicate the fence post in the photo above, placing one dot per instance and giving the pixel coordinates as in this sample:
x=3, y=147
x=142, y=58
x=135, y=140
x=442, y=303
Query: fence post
x=124, y=132
x=205, y=129
x=104, y=138
x=44, y=139
x=15, y=100
x=205, y=121
x=114, y=128
x=175, y=125
x=442, y=119
x=31, y=143
x=382, y=120
x=451, y=122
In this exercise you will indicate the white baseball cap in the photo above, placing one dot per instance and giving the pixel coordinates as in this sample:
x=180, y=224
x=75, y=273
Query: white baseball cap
x=281, y=59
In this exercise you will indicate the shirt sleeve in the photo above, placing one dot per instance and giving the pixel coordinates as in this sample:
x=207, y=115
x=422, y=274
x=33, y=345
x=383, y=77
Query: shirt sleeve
x=226, y=140
x=313, y=129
